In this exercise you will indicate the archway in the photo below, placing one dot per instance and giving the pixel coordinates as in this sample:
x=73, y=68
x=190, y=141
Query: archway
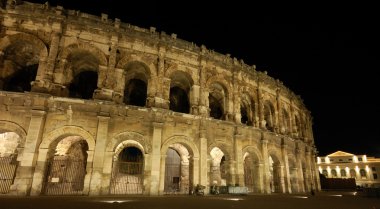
x=178, y=170
x=66, y=167
x=180, y=87
x=128, y=172
x=286, y=122
x=137, y=75
x=275, y=174
x=19, y=66
x=269, y=115
x=218, y=167
x=217, y=101
x=9, y=141
x=247, y=107
x=82, y=74
x=252, y=172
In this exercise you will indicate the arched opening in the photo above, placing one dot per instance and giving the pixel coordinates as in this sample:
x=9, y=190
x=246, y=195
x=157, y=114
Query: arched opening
x=135, y=93
x=275, y=174
x=353, y=173
x=137, y=75
x=218, y=169
x=67, y=167
x=180, y=86
x=19, y=66
x=128, y=172
x=84, y=85
x=293, y=170
x=178, y=170
x=9, y=141
x=269, y=116
x=286, y=122
x=217, y=100
x=252, y=173
x=82, y=74
x=247, y=110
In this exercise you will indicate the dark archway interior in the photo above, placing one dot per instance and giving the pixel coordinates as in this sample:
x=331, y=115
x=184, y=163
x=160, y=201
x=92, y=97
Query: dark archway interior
x=84, y=84
x=20, y=81
x=135, y=93
x=131, y=154
x=216, y=110
x=244, y=116
x=179, y=101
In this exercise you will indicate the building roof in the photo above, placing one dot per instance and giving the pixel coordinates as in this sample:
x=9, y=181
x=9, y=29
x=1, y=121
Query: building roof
x=340, y=154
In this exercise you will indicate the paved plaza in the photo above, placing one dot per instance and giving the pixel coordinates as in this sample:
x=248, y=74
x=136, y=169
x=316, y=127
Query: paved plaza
x=322, y=200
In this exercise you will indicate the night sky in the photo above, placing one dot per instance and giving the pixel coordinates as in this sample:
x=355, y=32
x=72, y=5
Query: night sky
x=327, y=56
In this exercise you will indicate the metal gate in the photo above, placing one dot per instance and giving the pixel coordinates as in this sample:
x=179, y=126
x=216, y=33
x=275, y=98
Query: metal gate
x=172, y=177
x=65, y=177
x=8, y=167
x=127, y=178
x=248, y=178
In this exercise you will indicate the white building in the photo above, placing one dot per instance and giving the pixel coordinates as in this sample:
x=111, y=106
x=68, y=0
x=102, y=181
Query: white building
x=340, y=164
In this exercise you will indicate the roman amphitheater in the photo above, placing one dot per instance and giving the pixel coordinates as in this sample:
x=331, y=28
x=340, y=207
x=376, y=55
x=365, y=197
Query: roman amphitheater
x=94, y=106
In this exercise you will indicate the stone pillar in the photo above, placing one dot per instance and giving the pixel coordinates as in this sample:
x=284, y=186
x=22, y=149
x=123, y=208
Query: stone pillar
x=103, y=92
x=157, y=183
x=288, y=187
x=44, y=78
x=261, y=108
x=24, y=174
x=194, y=99
x=282, y=179
x=98, y=160
x=231, y=178
x=300, y=177
x=203, y=165
x=203, y=93
x=239, y=160
x=266, y=172
x=107, y=172
x=309, y=180
x=88, y=177
x=280, y=121
x=39, y=172
x=261, y=178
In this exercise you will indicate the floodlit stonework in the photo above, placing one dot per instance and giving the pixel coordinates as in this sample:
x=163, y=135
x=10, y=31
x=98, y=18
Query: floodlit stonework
x=341, y=164
x=93, y=106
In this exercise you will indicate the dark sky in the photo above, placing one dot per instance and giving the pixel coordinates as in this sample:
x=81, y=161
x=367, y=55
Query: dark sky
x=325, y=55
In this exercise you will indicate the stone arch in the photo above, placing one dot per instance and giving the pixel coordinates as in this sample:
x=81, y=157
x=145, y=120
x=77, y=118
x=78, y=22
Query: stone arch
x=102, y=58
x=9, y=126
x=129, y=136
x=247, y=109
x=181, y=84
x=20, y=57
x=137, y=78
x=218, y=99
x=220, y=156
x=269, y=115
x=285, y=121
x=253, y=169
x=53, y=137
x=150, y=65
x=276, y=171
x=174, y=67
x=180, y=174
x=128, y=163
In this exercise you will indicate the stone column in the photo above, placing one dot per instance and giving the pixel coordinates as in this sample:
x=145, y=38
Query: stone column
x=239, y=160
x=194, y=99
x=288, y=187
x=87, y=178
x=260, y=178
x=25, y=171
x=309, y=180
x=157, y=183
x=39, y=172
x=282, y=179
x=98, y=160
x=261, y=107
x=266, y=172
x=203, y=165
x=203, y=93
x=280, y=121
x=300, y=177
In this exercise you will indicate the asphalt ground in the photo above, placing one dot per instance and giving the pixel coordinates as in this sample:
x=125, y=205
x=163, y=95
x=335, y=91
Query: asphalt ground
x=321, y=200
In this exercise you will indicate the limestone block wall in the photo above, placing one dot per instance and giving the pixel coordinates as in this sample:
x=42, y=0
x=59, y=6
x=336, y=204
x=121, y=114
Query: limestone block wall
x=113, y=86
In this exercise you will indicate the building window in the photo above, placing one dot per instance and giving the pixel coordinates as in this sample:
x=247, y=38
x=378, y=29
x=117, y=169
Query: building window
x=375, y=176
x=373, y=168
x=360, y=159
x=333, y=173
x=353, y=173
x=324, y=172
x=363, y=174
x=340, y=160
x=322, y=160
x=343, y=173
x=331, y=160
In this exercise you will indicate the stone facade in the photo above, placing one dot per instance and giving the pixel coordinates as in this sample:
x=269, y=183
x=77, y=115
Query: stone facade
x=141, y=111
x=341, y=164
